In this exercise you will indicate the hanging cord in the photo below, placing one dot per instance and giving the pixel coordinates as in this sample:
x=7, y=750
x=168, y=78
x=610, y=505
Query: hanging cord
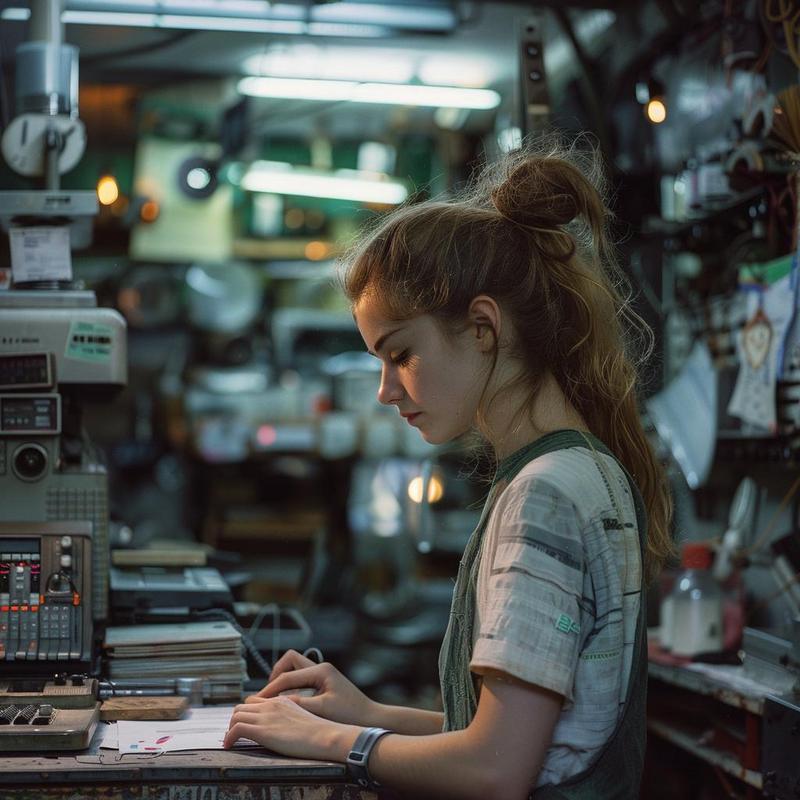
x=312, y=653
x=221, y=613
x=764, y=537
x=764, y=602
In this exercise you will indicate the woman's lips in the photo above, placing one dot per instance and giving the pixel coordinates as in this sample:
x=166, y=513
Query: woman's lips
x=409, y=418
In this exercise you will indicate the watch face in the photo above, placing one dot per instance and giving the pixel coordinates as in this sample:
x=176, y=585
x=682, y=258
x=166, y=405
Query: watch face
x=24, y=143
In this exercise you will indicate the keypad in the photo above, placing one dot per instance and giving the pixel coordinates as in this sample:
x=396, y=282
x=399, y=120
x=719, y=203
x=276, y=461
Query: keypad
x=27, y=715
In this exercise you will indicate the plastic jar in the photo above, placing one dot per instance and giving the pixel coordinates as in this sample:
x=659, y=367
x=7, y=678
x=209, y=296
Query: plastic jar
x=696, y=605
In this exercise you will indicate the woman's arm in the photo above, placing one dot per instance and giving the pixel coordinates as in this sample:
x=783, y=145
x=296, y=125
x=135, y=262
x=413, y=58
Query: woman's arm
x=409, y=721
x=497, y=756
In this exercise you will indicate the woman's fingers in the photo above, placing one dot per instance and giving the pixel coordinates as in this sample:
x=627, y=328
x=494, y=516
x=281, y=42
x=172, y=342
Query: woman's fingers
x=309, y=676
x=243, y=730
x=290, y=660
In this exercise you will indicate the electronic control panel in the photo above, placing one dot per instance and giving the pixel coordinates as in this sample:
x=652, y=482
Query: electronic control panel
x=45, y=591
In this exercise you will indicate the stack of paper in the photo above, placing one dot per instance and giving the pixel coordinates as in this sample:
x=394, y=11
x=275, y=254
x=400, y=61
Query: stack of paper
x=201, y=729
x=208, y=650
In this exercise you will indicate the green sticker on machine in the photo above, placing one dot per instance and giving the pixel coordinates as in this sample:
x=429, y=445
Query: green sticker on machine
x=89, y=341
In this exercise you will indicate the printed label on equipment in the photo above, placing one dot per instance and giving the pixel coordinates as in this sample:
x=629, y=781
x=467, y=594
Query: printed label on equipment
x=39, y=254
x=89, y=341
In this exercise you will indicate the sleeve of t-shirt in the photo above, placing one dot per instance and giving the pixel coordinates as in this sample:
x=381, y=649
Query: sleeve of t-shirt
x=530, y=599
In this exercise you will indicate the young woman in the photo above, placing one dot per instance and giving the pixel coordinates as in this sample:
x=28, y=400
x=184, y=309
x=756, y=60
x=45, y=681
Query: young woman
x=500, y=311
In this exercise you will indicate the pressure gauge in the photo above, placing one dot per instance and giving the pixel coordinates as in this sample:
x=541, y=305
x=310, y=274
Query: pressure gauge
x=24, y=143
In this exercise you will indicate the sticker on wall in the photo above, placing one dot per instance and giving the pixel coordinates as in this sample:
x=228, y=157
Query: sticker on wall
x=89, y=341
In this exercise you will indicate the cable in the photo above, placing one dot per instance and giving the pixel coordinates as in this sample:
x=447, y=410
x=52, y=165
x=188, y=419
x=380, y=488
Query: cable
x=246, y=641
x=762, y=539
x=770, y=597
x=313, y=653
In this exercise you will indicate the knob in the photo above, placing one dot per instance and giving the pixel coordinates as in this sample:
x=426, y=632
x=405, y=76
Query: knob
x=66, y=561
x=66, y=542
x=58, y=583
x=60, y=679
x=77, y=680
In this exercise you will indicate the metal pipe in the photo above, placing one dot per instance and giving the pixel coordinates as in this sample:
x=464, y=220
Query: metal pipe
x=45, y=22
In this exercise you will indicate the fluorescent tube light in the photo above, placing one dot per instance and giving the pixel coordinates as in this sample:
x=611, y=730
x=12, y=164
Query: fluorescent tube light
x=297, y=88
x=129, y=19
x=332, y=62
x=239, y=24
x=377, y=93
x=125, y=19
x=342, y=184
x=15, y=14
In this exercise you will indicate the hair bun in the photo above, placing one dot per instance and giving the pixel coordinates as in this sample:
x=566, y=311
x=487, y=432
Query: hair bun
x=544, y=192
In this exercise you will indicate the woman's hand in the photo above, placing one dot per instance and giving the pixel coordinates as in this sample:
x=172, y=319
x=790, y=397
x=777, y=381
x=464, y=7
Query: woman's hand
x=336, y=698
x=280, y=724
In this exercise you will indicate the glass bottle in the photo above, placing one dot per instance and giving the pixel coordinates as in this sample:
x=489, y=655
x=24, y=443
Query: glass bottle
x=696, y=605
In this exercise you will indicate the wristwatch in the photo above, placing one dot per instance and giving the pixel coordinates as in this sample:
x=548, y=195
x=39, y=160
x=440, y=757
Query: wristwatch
x=358, y=757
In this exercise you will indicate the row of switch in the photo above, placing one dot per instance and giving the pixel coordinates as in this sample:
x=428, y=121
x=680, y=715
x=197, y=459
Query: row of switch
x=53, y=633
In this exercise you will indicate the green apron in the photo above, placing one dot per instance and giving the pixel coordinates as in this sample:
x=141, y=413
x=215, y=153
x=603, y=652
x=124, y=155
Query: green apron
x=616, y=771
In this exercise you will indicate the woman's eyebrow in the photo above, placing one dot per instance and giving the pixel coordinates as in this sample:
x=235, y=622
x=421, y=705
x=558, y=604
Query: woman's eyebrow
x=382, y=340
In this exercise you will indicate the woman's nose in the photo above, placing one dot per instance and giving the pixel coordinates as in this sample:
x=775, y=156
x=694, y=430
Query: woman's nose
x=389, y=391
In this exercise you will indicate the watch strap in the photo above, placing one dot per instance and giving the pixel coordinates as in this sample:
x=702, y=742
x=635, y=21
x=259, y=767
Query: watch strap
x=358, y=757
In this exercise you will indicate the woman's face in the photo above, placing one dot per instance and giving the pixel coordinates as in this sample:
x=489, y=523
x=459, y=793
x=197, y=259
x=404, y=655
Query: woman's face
x=436, y=381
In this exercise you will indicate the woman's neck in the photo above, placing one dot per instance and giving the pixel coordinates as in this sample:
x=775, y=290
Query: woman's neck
x=513, y=421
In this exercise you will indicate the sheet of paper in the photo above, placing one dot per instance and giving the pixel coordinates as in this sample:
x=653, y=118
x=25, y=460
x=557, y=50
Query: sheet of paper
x=107, y=736
x=203, y=728
x=40, y=253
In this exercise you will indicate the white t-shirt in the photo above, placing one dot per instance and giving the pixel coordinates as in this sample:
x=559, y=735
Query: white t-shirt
x=558, y=594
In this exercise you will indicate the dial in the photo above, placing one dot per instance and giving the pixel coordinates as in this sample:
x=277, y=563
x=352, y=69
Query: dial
x=23, y=143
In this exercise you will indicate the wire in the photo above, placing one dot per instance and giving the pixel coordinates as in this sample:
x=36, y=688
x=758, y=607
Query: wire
x=770, y=597
x=763, y=538
x=246, y=641
x=313, y=653
x=779, y=17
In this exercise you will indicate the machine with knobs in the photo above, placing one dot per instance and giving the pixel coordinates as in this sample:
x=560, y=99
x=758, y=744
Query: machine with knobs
x=58, y=349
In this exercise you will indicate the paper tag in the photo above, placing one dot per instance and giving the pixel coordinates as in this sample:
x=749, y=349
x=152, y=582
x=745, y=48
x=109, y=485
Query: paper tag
x=40, y=254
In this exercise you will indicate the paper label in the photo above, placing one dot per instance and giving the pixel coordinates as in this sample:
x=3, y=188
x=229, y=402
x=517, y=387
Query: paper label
x=89, y=341
x=40, y=254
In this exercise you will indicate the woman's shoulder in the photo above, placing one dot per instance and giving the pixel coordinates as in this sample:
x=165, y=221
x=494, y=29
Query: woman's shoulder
x=571, y=475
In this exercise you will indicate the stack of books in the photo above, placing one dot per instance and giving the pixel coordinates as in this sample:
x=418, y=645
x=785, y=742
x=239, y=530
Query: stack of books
x=208, y=650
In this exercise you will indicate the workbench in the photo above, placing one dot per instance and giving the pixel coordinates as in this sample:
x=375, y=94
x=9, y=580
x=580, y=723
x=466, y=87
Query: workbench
x=252, y=774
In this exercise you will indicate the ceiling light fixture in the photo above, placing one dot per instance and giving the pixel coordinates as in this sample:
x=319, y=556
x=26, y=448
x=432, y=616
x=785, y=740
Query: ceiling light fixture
x=341, y=184
x=360, y=19
x=376, y=93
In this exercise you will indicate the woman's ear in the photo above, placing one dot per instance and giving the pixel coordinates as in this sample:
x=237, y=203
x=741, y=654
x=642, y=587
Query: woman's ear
x=485, y=318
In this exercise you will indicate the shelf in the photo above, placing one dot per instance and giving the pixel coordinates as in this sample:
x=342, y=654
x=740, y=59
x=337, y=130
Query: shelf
x=708, y=754
x=703, y=684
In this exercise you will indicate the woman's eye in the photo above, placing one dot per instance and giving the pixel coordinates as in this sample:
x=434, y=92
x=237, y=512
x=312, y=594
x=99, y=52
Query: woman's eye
x=401, y=358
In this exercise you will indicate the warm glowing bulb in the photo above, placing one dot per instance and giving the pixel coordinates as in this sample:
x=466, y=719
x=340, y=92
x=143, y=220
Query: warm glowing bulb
x=435, y=489
x=656, y=111
x=316, y=251
x=107, y=190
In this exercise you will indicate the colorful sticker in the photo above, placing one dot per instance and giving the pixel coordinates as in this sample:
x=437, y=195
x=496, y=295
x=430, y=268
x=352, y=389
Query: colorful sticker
x=89, y=341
